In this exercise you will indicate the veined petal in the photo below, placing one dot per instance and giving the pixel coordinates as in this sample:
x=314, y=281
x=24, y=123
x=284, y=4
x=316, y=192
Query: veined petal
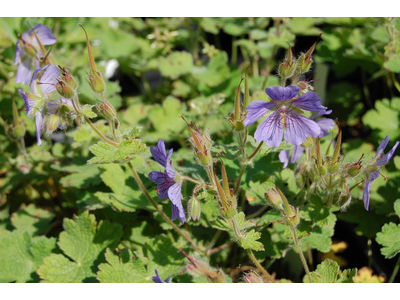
x=309, y=101
x=163, y=183
x=159, y=153
x=49, y=78
x=24, y=71
x=384, y=159
x=282, y=93
x=28, y=103
x=382, y=146
x=297, y=152
x=32, y=84
x=27, y=35
x=169, y=170
x=270, y=130
x=44, y=35
x=157, y=177
x=320, y=113
x=18, y=54
x=284, y=157
x=178, y=213
x=174, y=193
x=255, y=110
x=325, y=125
x=299, y=127
x=39, y=125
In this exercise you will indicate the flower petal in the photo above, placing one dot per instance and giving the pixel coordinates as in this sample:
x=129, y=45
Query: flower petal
x=163, y=183
x=159, y=153
x=49, y=78
x=325, y=125
x=367, y=188
x=32, y=84
x=382, y=146
x=270, y=130
x=27, y=35
x=24, y=71
x=320, y=113
x=284, y=157
x=297, y=152
x=169, y=170
x=309, y=101
x=282, y=93
x=299, y=127
x=174, y=194
x=39, y=125
x=384, y=159
x=44, y=35
x=157, y=278
x=28, y=103
x=255, y=110
x=18, y=54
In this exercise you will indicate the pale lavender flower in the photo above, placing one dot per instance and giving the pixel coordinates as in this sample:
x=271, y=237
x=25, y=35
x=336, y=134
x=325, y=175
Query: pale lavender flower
x=28, y=51
x=169, y=182
x=324, y=124
x=372, y=169
x=157, y=278
x=35, y=102
x=284, y=112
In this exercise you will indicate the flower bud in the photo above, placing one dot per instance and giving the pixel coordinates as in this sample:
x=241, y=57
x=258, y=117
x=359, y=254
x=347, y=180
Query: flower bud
x=96, y=82
x=344, y=200
x=253, y=277
x=333, y=168
x=52, y=123
x=107, y=109
x=354, y=170
x=300, y=180
x=228, y=212
x=64, y=90
x=68, y=78
x=194, y=209
x=308, y=143
x=273, y=198
x=219, y=278
x=286, y=69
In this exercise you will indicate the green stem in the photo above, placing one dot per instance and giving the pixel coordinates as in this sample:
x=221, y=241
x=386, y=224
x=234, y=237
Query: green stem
x=298, y=246
x=255, y=151
x=269, y=67
x=165, y=217
x=395, y=270
x=395, y=82
x=234, y=51
x=213, y=241
x=257, y=263
x=100, y=134
x=239, y=180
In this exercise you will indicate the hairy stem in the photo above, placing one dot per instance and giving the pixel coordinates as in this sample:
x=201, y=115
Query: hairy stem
x=298, y=246
x=100, y=134
x=257, y=263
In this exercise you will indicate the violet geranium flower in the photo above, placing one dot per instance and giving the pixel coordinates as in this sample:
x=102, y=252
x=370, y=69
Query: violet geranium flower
x=28, y=51
x=284, y=113
x=372, y=169
x=157, y=278
x=35, y=102
x=169, y=182
x=324, y=124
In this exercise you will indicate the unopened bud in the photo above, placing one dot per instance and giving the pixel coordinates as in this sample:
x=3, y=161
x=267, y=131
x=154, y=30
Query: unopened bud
x=64, y=90
x=333, y=168
x=273, y=198
x=219, y=278
x=308, y=142
x=52, y=123
x=68, y=78
x=355, y=169
x=107, y=109
x=321, y=170
x=286, y=69
x=194, y=209
x=344, y=200
x=300, y=180
x=228, y=212
x=253, y=277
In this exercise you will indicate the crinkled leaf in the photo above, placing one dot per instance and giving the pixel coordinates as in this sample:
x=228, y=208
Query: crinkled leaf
x=122, y=267
x=389, y=238
x=250, y=241
x=329, y=272
x=242, y=223
x=87, y=111
x=216, y=71
x=20, y=255
x=84, y=242
x=34, y=220
x=126, y=151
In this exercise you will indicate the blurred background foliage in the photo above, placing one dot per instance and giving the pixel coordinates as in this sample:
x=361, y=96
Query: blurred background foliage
x=158, y=69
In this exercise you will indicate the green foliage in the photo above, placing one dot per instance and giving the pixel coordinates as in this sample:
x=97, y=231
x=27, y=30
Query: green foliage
x=389, y=238
x=176, y=64
x=21, y=255
x=329, y=272
x=84, y=242
x=250, y=241
x=31, y=219
x=126, y=151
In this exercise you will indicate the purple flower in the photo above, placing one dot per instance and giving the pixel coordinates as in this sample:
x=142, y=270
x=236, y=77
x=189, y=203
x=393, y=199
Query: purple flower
x=169, y=182
x=28, y=51
x=324, y=124
x=374, y=166
x=157, y=278
x=284, y=113
x=35, y=102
